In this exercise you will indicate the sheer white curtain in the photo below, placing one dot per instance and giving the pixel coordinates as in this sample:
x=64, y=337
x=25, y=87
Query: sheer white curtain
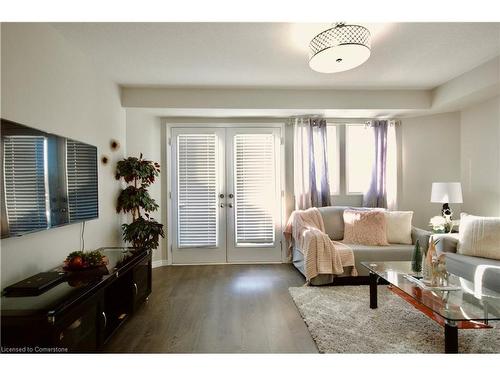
x=311, y=186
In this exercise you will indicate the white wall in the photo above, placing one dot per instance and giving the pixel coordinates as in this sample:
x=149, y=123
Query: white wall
x=144, y=135
x=480, y=158
x=430, y=153
x=49, y=85
x=469, y=88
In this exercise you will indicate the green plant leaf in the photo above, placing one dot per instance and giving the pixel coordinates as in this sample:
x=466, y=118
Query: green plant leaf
x=143, y=233
x=133, y=198
x=132, y=169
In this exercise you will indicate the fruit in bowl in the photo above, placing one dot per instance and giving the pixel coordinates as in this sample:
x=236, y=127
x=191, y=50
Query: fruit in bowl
x=78, y=260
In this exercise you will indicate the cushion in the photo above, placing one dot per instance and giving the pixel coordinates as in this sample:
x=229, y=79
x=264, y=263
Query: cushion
x=479, y=236
x=365, y=228
x=399, y=226
x=333, y=218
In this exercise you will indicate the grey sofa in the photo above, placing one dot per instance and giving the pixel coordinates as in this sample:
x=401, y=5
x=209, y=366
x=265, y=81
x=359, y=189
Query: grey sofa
x=474, y=269
x=333, y=218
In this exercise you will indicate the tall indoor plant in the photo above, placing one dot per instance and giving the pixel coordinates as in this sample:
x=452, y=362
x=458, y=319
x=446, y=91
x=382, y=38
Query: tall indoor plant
x=143, y=232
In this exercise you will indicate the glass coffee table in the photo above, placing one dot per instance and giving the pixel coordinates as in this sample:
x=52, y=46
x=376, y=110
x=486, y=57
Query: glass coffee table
x=464, y=304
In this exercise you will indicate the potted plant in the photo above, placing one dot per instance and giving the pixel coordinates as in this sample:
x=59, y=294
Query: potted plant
x=143, y=232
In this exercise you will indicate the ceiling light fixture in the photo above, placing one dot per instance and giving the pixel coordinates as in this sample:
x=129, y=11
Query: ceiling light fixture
x=339, y=48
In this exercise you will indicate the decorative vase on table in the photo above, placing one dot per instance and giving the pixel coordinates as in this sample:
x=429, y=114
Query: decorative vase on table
x=428, y=259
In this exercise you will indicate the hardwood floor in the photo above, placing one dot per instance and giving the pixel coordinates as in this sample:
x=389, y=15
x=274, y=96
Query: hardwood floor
x=218, y=309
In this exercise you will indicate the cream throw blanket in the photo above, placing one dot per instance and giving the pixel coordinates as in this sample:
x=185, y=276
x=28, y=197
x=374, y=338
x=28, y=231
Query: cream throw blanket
x=321, y=255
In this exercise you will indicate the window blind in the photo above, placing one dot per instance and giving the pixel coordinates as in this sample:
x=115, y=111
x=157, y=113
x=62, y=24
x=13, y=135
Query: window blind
x=25, y=187
x=197, y=190
x=81, y=170
x=255, y=192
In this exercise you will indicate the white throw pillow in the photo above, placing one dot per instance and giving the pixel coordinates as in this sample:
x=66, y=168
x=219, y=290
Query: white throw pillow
x=399, y=226
x=479, y=236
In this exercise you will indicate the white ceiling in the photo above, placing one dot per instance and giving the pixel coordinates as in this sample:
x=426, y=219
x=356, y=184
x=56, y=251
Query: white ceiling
x=404, y=55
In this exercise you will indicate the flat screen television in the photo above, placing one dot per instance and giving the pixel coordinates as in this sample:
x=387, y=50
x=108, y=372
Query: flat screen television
x=47, y=180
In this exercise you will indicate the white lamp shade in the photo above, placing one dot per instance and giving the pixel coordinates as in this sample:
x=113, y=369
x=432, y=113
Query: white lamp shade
x=446, y=192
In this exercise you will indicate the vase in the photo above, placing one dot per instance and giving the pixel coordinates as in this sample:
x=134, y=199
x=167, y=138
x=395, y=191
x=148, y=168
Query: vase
x=427, y=261
x=426, y=269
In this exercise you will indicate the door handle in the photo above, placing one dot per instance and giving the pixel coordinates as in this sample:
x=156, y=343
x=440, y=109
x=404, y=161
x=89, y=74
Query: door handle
x=135, y=288
x=230, y=205
x=222, y=205
x=231, y=196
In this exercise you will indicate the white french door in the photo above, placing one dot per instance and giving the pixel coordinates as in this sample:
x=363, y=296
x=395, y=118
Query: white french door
x=198, y=174
x=226, y=195
x=253, y=187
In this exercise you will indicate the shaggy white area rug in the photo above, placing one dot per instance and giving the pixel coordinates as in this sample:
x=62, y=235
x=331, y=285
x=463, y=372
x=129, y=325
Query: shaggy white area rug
x=341, y=321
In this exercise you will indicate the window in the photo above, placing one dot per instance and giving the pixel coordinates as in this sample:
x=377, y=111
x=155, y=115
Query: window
x=359, y=158
x=353, y=146
x=332, y=139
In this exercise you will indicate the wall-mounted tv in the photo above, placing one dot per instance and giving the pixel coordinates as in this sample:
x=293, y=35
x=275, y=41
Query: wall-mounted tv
x=47, y=180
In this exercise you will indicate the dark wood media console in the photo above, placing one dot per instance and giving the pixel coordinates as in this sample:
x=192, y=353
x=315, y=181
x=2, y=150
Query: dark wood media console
x=83, y=311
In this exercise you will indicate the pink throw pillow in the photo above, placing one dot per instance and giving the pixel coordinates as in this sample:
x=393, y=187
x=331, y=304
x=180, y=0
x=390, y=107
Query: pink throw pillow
x=365, y=228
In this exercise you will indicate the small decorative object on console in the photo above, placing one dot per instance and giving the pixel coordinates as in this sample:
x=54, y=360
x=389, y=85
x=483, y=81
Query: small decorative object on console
x=78, y=260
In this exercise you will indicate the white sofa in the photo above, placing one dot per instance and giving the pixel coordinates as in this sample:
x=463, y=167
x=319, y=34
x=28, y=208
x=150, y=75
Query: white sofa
x=468, y=266
x=333, y=218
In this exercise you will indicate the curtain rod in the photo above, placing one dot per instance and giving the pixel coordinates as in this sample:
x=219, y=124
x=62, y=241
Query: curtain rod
x=350, y=121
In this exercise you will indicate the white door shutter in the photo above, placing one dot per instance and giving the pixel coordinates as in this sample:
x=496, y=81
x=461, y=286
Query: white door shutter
x=255, y=189
x=81, y=169
x=25, y=183
x=197, y=188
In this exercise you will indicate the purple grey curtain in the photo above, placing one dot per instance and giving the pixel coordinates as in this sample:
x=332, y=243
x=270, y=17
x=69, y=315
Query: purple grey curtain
x=318, y=164
x=311, y=188
x=376, y=196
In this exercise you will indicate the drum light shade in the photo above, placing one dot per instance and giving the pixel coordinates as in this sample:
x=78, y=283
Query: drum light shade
x=446, y=192
x=341, y=48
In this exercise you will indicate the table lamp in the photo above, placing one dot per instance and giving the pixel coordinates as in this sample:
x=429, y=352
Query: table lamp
x=445, y=193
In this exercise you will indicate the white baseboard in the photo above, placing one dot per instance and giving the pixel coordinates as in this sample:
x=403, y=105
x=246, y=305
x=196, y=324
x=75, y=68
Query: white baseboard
x=164, y=262
x=159, y=263
x=224, y=263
